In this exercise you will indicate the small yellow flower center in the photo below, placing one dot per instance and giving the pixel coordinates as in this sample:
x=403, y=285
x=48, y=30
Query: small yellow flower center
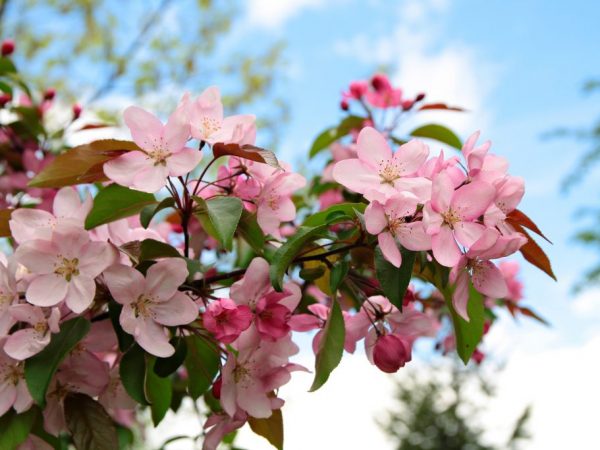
x=141, y=307
x=389, y=171
x=11, y=373
x=67, y=268
x=395, y=223
x=41, y=328
x=240, y=373
x=450, y=217
x=208, y=125
x=5, y=298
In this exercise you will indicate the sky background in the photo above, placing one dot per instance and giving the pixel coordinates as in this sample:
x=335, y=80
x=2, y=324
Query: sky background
x=518, y=67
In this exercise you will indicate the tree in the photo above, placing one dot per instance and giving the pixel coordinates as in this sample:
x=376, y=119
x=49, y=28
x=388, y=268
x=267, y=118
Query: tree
x=437, y=410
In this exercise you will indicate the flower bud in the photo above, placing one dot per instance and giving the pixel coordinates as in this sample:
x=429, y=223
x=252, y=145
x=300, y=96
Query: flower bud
x=420, y=96
x=77, y=109
x=344, y=105
x=358, y=89
x=407, y=104
x=381, y=83
x=391, y=352
x=478, y=356
x=8, y=47
x=4, y=99
x=49, y=94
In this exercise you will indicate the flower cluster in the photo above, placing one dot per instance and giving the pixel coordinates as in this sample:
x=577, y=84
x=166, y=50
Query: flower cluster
x=164, y=280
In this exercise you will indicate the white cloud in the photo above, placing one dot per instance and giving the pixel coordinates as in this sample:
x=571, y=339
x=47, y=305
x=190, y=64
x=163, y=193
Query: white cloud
x=587, y=304
x=275, y=13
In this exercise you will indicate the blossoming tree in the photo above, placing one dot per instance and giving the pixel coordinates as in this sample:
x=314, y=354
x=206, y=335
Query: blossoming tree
x=181, y=263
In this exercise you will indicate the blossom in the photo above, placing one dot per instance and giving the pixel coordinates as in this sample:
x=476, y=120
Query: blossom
x=226, y=320
x=64, y=267
x=272, y=310
x=13, y=388
x=27, y=342
x=510, y=270
x=379, y=171
x=163, y=151
x=68, y=209
x=219, y=425
x=152, y=303
x=8, y=292
x=395, y=221
x=452, y=216
x=207, y=122
x=251, y=375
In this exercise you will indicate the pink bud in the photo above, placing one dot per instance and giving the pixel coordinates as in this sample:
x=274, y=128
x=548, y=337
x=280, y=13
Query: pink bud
x=344, y=105
x=420, y=96
x=391, y=352
x=478, y=356
x=381, y=83
x=77, y=109
x=49, y=94
x=216, y=388
x=4, y=99
x=358, y=89
x=8, y=47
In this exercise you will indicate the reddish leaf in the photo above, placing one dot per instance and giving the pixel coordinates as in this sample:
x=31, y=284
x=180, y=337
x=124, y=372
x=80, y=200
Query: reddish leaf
x=94, y=126
x=4, y=218
x=440, y=106
x=530, y=313
x=81, y=164
x=271, y=428
x=533, y=253
x=517, y=217
x=247, y=152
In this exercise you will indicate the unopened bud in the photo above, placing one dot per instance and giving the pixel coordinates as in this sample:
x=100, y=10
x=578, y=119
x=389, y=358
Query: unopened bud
x=344, y=105
x=407, y=104
x=358, y=89
x=391, y=352
x=77, y=109
x=8, y=47
x=4, y=99
x=381, y=83
x=49, y=94
x=420, y=96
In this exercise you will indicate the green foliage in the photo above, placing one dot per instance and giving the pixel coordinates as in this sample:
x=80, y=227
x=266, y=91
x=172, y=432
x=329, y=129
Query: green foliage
x=14, y=428
x=40, y=368
x=220, y=217
x=468, y=333
x=116, y=202
x=158, y=391
x=394, y=280
x=439, y=133
x=270, y=428
x=132, y=372
x=330, y=135
x=331, y=346
x=202, y=363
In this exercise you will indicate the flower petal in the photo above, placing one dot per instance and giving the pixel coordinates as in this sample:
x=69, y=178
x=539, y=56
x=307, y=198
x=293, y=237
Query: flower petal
x=125, y=283
x=178, y=310
x=145, y=127
x=372, y=147
x=47, y=290
x=445, y=249
x=164, y=277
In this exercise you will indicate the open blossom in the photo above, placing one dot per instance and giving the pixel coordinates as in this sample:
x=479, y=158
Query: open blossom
x=163, y=151
x=379, y=171
x=64, y=268
x=272, y=310
x=219, y=425
x=251, y=376
x=152, y=303
x=13, y=388
x=8, y=292
x=208, y=124
x=226, y=320
x=395, y=221
x=451, y=217
x=28, y=341
x=68, y=209
x=476, y=266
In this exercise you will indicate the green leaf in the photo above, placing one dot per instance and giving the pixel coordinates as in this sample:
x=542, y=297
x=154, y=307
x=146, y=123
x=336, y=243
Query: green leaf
x=312, y=273
x=14, y=428
x=468, y=334
x=132, y=370
x=394, y=281
x=270, y=428
x=40, y=368
x=251, y=232
x=7, y=66
x=224, y=214
x=116, y=202
x=285, y=254
x=331, y=346
x=148, y=212
x=163, y=367
x=337, y=275
x=330, y=135
x=151, y=249
x=439, y=133
x=202, y=363
x=158, y=390
x=90, y=426
x=325, y=216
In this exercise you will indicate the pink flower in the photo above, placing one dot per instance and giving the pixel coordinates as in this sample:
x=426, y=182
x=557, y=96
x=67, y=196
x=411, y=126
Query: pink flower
x=452, y=216
x=395, y=221
x=163, y=152
x=510, y=270
x=8, y=292
x=391, y=352
x=115, y=398
x=27, y=342
x=475, y=266
x=152, y=303
x=64, y=268
x=272, y=310
x=28, y=223
x=250, y=377
x=226, y=320
x=219, y=425
x=377, y=170
x=13, y=388
x=207, y=122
